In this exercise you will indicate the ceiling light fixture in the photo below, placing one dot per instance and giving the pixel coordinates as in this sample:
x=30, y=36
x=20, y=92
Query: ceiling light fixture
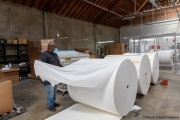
x=105, y=42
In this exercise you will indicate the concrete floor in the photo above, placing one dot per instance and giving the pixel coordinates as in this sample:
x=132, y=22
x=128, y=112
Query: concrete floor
x=160, y=100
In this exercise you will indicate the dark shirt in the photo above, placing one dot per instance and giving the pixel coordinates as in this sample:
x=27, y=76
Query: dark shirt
x=50, y=58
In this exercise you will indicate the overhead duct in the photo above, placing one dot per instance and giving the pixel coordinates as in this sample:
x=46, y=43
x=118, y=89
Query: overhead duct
x=153, y=2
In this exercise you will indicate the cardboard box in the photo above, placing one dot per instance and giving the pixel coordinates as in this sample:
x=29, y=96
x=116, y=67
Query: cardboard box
x=15, y=41
x=114, y=49
x=95, y=56
x=22, y=40
x=9, y=41
x=83, y=50
x=11, y=74
x=35, y=48
x=86, y=51
x=6, y=101
x=44, y=44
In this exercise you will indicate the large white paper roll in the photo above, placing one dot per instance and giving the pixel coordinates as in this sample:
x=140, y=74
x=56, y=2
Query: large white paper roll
x=142, y=64
x=117, y=96
x=154, y=61
x=109, y=85
x=165, y=57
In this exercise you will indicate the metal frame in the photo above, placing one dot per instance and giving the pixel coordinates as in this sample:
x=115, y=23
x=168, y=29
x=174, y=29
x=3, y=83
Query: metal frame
x=175, y=62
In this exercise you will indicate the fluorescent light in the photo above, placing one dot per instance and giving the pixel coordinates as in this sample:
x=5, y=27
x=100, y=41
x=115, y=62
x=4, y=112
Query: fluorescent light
x=134, y=40
x=61, y=38
x=149, y=39
x=105, y=42
x=141, y=40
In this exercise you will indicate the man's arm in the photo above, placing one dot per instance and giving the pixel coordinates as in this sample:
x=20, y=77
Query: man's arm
x=60, y=64
x=43, y=58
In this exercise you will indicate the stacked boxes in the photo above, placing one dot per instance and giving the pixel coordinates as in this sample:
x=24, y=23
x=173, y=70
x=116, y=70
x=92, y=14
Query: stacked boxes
x=22, y=40
x=35, y=48
x=9, y=41
x=44, y=44
x=114, y=49
x=17, y=41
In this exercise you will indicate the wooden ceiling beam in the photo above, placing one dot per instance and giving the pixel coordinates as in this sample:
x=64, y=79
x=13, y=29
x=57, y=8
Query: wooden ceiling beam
x=32, y=3
x=74, y=9
x=61, y=8
x=144, y=3
x=114, y=18
x=46, y=5
x=39, y=7
x=14, y=1
x=113, y=5
x=124, y=10
x=102, y=8
x=71, y=10
x=89, y=10
x=64, y=11
x=24, y=2
x=135, y=3
x=100, y=13
x=63, y=2
x=54, y=8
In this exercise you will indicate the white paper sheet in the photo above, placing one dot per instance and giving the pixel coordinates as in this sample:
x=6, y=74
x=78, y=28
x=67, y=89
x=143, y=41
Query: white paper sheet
x=83, y=112
x=108, y=85
x=142, y=64
x=71, y=54
x=80, y=73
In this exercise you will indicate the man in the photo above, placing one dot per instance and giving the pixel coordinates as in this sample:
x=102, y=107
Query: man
x=51, y=58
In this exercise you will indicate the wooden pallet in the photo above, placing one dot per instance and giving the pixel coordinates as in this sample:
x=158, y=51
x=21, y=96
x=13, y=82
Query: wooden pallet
x=17, y=111
x=8, y=115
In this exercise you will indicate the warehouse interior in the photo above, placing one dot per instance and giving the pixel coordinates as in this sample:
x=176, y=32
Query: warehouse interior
x=117, y=59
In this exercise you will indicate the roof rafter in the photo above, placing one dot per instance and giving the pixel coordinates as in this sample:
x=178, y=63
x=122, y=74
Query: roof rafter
x=61, y=3
x=135, y=2
x=144, y=3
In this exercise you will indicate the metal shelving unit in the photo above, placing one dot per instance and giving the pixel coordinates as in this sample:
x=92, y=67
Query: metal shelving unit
x=15, y=54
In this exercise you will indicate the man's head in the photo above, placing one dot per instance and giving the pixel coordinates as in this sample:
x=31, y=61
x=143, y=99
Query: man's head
x=51, y=46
